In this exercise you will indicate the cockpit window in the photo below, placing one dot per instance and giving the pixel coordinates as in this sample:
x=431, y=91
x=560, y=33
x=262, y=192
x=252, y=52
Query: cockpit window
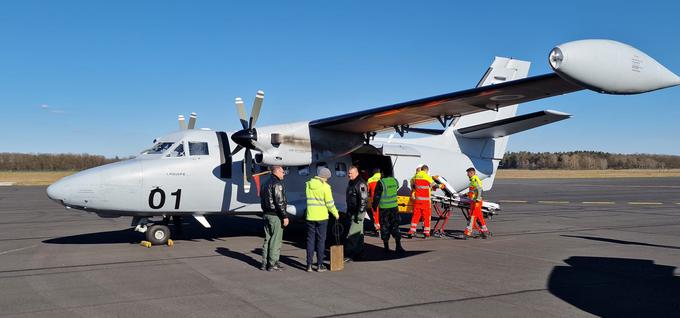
x=178, y=151
x=198, y=148
x=158, y=148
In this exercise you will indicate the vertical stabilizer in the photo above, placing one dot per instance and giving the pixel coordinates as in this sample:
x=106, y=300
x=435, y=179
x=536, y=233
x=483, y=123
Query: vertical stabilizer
x=501, y=70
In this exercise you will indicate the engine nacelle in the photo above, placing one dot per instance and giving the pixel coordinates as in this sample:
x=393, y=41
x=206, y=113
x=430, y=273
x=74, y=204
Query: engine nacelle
x=610, y=67
x=283, y=158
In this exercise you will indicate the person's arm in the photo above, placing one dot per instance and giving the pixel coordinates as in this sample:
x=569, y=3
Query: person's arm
x=330, y=204
x=362, y=196
x=280, y=202
x=377, y=192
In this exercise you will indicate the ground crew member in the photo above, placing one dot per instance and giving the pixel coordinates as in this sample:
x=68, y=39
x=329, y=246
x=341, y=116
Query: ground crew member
x=357, y=204
x=319, y=205
x=273, y=203
x=372, y=182
x=475, y=195
x=422, y=207
x=385, y=198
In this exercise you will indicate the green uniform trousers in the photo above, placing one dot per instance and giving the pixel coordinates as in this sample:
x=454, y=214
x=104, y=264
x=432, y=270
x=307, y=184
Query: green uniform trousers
x=273, y=234
x=354, y=245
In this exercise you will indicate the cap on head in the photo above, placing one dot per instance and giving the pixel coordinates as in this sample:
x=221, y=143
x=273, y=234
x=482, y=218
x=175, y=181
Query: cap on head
x=323, y=172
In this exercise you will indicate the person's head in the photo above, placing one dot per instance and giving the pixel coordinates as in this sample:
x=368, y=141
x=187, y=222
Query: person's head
x=278, y=171
x=470, y=172
x=418, y=167
x=353, y=172
x=323, y=173
x=425, y=168
x=376, y=170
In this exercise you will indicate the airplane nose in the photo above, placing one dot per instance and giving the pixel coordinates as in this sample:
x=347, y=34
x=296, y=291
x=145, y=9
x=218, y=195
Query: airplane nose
x=56, y=191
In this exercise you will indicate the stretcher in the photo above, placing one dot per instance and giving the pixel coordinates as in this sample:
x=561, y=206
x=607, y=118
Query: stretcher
x=444, y=204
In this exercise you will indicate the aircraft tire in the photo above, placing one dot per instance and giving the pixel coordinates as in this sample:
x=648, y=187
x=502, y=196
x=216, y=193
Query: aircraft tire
x=158, y=234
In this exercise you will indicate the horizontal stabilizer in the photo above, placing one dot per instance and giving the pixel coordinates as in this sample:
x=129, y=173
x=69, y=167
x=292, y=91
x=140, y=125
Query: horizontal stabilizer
x=512, y=125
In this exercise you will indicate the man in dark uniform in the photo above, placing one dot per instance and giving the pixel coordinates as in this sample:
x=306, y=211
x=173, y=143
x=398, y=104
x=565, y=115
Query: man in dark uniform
x=385, y=198
x=357, y=203
x=273, y=203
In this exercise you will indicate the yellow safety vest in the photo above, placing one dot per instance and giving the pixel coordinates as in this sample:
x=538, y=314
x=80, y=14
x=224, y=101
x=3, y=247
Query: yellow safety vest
x=388, y=197
x=475, y=190
x=319, y=200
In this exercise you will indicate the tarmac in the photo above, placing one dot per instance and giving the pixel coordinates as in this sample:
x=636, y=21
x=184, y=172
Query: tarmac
x=561, y=248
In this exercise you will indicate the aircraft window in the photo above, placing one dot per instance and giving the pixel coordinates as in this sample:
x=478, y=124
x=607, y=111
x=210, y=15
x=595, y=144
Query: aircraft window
x=303, y=170
x=178, y=151
x=198, y=148
x=158, y=148
x=340, y=169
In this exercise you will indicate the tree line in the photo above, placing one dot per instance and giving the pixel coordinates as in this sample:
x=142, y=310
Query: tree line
x=50, y=162
x=587, y=160
x=573, y=160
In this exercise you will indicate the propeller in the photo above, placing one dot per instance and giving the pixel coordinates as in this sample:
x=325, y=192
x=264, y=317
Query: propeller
x=183, y=124
x=247, y=137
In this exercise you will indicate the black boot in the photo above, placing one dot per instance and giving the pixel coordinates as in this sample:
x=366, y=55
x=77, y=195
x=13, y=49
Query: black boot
x=387, y=245
x=399, y=249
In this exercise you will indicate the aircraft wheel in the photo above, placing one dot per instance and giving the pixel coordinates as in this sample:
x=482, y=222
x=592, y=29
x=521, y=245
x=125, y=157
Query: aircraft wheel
x=158, y=234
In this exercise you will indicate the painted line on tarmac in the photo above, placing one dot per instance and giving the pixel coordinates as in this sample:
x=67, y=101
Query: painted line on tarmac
x=645, y=203
x=598, y=202
x=516, y=201
x=17, y=249
x=554, y=202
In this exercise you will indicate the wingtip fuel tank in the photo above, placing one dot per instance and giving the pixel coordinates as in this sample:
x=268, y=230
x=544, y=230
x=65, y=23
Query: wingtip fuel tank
x=611, y=67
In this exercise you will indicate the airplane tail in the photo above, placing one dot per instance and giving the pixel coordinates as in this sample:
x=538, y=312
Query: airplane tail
x=484, y=136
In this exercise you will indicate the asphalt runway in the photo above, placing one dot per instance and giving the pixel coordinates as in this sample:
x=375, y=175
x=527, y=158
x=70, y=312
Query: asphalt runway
x=561, y=248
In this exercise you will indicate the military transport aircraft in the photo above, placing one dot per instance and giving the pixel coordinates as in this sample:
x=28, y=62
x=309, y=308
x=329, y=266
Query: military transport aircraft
x=196, y=172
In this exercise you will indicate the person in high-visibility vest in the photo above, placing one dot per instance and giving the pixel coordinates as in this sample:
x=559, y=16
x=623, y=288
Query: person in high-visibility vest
x=385, y=198
x=422, y=207
x=319, y=204
x=475, y=195
x=372, y=182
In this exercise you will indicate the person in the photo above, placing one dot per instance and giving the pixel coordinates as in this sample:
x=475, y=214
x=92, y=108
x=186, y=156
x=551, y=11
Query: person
x=385, y=198
x=422, y=207
x=357, y=203
x=372, y=182
x=319, y=205
x=475, y=195
x=274, y=204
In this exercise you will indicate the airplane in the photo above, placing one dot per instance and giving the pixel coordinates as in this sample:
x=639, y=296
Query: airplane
x=198, y=172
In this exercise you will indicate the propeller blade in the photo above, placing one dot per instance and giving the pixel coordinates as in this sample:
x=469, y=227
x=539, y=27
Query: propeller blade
x=241, y=112
x=257, y=105
x=192, y=121
x=182, y=123
x=246, y=171
x=249, y=163
x=237, y=149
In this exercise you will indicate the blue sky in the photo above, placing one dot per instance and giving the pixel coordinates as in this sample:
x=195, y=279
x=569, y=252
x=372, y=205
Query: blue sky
x=108, y=77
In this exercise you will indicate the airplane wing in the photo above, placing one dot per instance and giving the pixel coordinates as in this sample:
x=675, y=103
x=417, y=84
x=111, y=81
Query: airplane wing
x=459, y=103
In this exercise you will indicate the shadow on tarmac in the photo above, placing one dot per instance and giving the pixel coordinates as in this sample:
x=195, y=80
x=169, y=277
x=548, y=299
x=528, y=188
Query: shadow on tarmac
x=222, y=227
x=608, y=240
x=617, y=287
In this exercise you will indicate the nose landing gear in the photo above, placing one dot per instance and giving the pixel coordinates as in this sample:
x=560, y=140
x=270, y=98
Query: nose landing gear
x=156, y=233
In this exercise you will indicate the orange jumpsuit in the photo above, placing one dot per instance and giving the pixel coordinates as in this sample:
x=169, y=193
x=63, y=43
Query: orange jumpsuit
x=476, y=215
x=422, y=207
x=372, y=181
